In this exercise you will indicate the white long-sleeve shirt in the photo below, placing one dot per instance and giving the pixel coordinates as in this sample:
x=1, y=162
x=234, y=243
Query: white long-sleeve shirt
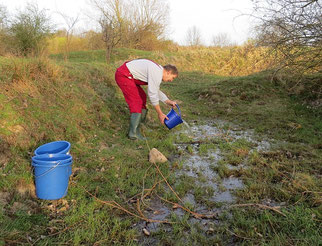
x=150, y=72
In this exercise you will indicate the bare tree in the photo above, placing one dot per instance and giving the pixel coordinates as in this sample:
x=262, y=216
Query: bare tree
x=112, y=21
x=71, y=23
x=131, y=23
x=222, y=40
x=193, y=36
x=293, y=29
x=148, y=20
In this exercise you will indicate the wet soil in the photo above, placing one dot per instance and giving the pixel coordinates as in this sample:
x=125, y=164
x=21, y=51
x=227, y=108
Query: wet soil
x=200, y=167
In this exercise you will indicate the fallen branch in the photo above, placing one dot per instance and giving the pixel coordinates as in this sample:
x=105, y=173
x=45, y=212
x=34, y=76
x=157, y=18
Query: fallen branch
x=165, y=180
x=139, y=209
x=196, y=215
x=245, y=238
x=316, y=192
x=306, y=192
x=275, y=209
x=193, y=142
x=149, y=191
x=141, y=216
x=143, y=189
x=114, y=204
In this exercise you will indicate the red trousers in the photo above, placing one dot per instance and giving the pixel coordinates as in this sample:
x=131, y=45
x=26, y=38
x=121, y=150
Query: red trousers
x=134, y=95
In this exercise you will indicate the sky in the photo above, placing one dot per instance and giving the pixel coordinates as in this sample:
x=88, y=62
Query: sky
x=210, y=17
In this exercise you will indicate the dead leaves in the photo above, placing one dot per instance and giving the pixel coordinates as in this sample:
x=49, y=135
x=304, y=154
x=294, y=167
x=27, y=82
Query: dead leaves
x=59, y=206
x=294, y=126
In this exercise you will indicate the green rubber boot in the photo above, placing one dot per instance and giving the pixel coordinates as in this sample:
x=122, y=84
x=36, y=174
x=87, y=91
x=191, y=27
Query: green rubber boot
x=134, y=132
x=144, y=113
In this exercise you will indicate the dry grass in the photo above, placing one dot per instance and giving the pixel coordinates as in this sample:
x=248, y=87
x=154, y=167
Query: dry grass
x=230, y=61
x=227, y=61
x=41, y=98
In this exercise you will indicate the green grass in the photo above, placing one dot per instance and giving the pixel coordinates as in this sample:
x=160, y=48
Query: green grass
x=98, y=56
x=47, y=100
x=298, y=227
x=288, y=174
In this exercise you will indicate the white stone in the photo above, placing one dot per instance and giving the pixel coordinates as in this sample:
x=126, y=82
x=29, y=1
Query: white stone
x=155, y=156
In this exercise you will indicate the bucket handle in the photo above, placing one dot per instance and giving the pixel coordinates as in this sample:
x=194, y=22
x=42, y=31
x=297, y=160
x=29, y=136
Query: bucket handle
x=48, y=171
x=178, y=110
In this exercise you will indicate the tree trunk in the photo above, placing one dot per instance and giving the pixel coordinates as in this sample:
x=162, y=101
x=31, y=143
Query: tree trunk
x=108, y=53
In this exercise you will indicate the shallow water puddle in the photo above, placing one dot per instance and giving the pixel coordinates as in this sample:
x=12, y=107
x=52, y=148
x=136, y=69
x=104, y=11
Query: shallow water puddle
x=221, y=129
x=201, y=168
x=197, y=165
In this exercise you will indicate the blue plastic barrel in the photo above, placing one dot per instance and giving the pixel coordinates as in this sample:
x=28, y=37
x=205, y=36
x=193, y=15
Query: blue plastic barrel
x=56, y=147
x=51, y=175
x=174, y=118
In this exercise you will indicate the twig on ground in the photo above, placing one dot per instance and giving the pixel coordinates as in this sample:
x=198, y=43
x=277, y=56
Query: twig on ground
x=144, y=181
x=275, y=209
x=149, y=191
x=141, y=216
x=165, y=180
x=306, y=192
x=196, y=215
x=245, y=238
x=101, y=241
x=114, y=204
x=139, y=209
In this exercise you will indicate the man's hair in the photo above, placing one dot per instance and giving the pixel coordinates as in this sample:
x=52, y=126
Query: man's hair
x=171, y=68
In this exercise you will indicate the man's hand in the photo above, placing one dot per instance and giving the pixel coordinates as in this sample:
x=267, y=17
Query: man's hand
x=171, y=103
x=162, y=117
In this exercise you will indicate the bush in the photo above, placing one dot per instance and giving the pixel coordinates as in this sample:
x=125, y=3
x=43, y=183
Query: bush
x=29, y=30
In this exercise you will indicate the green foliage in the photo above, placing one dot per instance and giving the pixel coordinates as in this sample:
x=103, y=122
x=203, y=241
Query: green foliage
x=29, y=30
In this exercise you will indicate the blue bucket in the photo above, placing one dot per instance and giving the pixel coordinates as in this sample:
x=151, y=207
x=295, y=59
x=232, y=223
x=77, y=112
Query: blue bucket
x=56, y=147
x=49, y=159
x=52, y=159
x=51, y=175
x=174, y=118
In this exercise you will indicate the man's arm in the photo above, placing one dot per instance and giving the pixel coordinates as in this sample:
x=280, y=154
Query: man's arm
x=161, y=115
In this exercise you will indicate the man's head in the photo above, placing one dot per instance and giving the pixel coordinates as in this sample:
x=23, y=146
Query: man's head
x=170, y=72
